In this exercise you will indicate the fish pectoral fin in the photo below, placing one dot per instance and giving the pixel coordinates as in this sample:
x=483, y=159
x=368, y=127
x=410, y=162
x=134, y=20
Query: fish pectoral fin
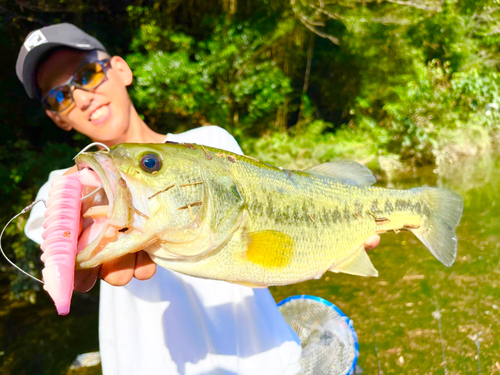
x=345, y=170
x=269, y=248
x=359, y=265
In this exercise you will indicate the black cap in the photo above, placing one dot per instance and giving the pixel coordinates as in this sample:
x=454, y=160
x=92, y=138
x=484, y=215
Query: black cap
x=41, y=41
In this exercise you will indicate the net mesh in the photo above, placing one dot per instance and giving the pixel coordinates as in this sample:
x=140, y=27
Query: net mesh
x=329, y=343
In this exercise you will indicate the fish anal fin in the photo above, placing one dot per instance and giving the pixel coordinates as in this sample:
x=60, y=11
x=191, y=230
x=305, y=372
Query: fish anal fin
x=359, y=265
x=345, y=170
x=269, y=249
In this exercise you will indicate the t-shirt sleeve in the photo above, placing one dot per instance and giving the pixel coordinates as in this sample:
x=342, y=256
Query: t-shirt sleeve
x=34, y=225
x=212, y=136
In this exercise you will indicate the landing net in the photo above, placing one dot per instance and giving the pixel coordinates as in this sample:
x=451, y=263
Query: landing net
x=329, y=342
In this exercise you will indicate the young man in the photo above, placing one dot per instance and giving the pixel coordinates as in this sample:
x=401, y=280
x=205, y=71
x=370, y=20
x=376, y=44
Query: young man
x=170, y=323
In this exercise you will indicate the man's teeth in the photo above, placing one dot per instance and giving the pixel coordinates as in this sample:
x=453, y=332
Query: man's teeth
x=101, y=111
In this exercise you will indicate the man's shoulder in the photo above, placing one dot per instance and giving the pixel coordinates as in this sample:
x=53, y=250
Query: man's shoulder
x=202, y=132
x=213, y=136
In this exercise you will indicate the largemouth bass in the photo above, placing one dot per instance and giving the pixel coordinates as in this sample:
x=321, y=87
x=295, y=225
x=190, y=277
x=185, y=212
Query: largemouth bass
x=214, y=214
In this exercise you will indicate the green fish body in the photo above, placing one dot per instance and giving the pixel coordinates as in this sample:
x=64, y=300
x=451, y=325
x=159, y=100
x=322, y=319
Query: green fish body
x=213, y=214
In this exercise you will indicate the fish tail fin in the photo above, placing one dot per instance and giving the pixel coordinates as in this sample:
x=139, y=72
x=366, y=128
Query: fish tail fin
x=441, y=219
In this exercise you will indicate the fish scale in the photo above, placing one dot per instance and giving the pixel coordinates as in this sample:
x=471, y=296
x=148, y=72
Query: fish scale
x=232, y=218
x=337, y=241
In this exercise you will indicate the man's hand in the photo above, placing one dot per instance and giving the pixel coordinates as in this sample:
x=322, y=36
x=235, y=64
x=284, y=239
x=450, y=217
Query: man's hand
x=117, y=272
x=372, y=242
x=120, y=271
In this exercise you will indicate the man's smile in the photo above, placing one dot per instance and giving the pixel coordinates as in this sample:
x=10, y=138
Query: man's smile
x=100, y=114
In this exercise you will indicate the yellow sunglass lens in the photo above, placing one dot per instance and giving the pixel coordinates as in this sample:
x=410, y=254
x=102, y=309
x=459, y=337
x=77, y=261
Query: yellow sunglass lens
x=89, y=76
x=59, y=99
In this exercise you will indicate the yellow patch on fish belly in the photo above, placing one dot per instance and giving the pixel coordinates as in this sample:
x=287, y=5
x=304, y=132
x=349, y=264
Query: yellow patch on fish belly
x=270, y=249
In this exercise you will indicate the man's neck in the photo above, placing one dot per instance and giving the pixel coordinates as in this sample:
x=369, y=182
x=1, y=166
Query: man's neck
x=137, y=132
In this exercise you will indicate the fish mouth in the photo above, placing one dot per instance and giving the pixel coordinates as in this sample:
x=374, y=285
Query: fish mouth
x=106, y=212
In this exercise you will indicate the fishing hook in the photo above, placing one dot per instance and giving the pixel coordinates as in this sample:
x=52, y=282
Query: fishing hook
x=90, y=194
x=85, y=149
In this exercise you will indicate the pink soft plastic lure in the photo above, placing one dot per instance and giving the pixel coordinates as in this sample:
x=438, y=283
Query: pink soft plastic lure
x=60, y=237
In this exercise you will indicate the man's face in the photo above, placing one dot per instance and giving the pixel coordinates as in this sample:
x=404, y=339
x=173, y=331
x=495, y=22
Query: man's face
x=102, y=114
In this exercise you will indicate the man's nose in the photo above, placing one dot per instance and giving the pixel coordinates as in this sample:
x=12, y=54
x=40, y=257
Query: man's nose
x=82, y=98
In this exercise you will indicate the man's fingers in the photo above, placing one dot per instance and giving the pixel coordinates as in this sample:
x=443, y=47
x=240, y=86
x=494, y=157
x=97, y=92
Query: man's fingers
x=118, y=272
x=85, y=279
x=145, y=268
x=372, y=242
x=72, y=170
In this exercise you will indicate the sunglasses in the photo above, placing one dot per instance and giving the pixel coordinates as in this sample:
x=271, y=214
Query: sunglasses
x=87, y=78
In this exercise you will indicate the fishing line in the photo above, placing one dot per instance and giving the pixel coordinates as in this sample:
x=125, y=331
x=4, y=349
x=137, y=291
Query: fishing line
x=92, y=145
x=380, y=372
x=477, y=337
x=24, y=210
x=478, y=345
x=437, y=315
x=30, y=206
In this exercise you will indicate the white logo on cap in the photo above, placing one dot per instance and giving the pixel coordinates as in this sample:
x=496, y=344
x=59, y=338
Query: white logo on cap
x=34, y=40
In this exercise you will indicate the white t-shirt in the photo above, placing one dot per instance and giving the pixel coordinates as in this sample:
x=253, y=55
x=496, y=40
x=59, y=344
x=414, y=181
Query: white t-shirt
x=176, y=324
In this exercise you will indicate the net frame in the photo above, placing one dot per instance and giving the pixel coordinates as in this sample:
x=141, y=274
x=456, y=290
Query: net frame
x=312, y=317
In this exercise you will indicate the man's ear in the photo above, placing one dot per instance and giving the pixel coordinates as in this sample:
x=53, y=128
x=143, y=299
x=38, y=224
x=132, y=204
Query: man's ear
x=121, y=67
x=58, y=120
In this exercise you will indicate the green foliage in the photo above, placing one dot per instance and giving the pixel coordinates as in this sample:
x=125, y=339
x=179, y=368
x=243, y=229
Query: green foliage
x=224, y=79
x=424, y=84
x=411, y=77
x=310, y=144
x=430, y=112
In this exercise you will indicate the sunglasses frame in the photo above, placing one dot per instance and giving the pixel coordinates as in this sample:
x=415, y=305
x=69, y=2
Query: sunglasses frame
x=105, y=64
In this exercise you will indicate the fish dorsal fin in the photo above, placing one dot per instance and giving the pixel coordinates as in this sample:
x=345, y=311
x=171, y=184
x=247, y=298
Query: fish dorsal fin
x=349, y=171
x=270, y=249
x=359, y=265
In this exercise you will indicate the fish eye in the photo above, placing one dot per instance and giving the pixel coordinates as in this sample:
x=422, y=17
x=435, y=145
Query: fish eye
x=150, y=163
